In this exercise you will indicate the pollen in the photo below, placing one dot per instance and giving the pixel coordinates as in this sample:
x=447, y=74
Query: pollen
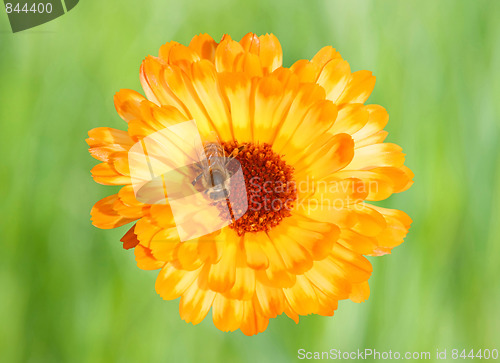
x=270, y=187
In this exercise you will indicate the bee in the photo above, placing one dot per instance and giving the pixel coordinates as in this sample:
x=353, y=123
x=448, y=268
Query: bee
x=215, y=171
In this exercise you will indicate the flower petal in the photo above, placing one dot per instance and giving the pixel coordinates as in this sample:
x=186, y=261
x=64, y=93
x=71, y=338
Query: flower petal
x=359, y=88
x=227, y=313
x=105, y=217
x=173, y=282
x=204, y=45
x=145, y=260
x=334, y=78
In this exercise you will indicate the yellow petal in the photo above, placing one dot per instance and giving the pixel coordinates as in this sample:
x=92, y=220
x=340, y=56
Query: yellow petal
x=377, y=155
x=307, y=95
x=152, y=81
x=225, y=55
x=351, y=119
x=223, y=274
x=301, y=296
x=196, y=301
x=324, y=56
x=359, y=88
x=295, y=257
x=206, y=84
x=318, y=119
x=238, y=89
x=327, y=159
x=255, y=255
x=334, y=78
x=330, y=279
x=270, y=300
x=172, y=282
x=356, y=267
x=227, y=313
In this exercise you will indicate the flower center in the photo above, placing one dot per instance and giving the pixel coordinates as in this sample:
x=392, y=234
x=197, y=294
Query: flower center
x=270, y=188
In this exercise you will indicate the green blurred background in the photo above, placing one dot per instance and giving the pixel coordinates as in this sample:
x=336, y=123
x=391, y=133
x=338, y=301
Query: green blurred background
x=70, y=293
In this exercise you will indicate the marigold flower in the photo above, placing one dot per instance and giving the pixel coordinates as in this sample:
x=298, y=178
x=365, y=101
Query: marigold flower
x=305, y=127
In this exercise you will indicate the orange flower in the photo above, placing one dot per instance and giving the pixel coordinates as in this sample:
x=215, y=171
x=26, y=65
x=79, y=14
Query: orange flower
x=305, y=127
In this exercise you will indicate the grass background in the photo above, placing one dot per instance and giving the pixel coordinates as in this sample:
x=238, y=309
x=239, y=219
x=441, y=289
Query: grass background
x=69, y=293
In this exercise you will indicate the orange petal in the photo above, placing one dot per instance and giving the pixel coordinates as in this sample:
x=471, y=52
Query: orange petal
x=244, y=284
x=107, y=136
x=204, y=45
x=360, y=292
x=105, y=217
x=145, y=259
x=164, y=244
x=253, y=320
x=132, y=212
x=271, y=54
x=357, y=242
x=129, y=239
x=306, y=71
x=225, y=55
x=172, y=282
x=397, y=226
x=127, y=104
x=369, y=222
x=317, y=238
x=255, y=256
x=187, y=255
x=271, y=300
x=164, y=53
x=251, y=43
x=326, y=304
x=182, y=56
